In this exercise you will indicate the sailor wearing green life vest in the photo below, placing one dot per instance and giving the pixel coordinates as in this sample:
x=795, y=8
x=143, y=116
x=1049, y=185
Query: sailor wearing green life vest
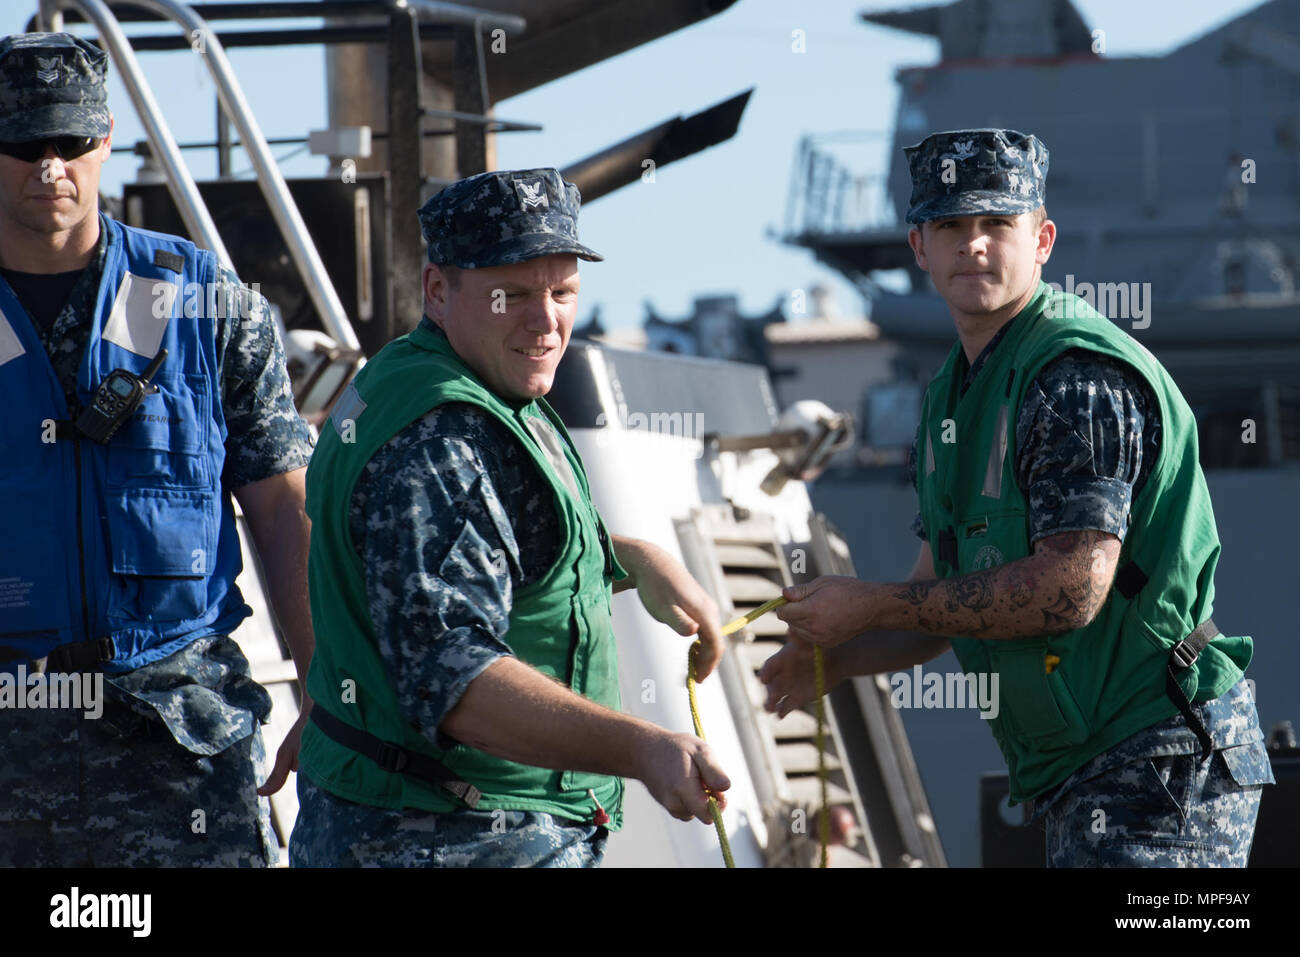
x=1068, y=545
x=465, y=676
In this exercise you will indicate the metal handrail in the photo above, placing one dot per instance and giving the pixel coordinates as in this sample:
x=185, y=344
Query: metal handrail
x=179, y=182
x=460, y=15
x=197, y=220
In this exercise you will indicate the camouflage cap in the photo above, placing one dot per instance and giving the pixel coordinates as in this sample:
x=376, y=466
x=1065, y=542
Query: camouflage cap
x=51, y=84
x=504, y=217
x=968, y=172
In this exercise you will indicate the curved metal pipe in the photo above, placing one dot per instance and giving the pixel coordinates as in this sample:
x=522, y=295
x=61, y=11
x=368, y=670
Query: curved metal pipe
x=283, y=209
x=179, y=181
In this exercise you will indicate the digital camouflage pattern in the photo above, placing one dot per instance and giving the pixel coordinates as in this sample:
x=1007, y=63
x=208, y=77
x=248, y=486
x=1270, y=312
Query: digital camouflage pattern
x=503, y=217
x=196, y=711
x=344, y=834
x=1151, y=802
x=449, y=518
x=972, y=172
x=1087, y=437
x=176, y=737
x=51, y=84
x=266, y=436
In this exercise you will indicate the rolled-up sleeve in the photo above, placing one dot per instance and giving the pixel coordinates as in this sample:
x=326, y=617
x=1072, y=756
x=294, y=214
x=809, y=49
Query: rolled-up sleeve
x=1086, y=435
x=265, y=434
x=440, y=556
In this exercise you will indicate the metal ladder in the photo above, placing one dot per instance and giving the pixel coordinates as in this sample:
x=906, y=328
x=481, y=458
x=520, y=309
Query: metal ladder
x=741, y=562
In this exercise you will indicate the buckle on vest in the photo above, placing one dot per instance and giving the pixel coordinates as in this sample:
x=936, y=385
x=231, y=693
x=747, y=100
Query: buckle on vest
x=391, y=758
x=1183, y=655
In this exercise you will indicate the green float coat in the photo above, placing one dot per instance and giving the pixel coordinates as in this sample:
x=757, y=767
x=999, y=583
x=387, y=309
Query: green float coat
x=1110, y=682
x=560, y=625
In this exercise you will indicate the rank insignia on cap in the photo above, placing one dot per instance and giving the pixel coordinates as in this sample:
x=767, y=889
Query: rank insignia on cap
x=47, y=70
x=532, y=195
x=503, y=217
x=976, y=172
x=963, y=149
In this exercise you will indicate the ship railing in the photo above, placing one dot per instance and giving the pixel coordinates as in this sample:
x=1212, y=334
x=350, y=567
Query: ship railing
x=180, y=183
x=827, y=195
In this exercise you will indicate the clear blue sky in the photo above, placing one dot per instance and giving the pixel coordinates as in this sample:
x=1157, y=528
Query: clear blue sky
x=702, y=226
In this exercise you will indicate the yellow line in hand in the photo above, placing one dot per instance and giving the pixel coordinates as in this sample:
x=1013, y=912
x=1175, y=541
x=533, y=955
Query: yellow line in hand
x=758, y=612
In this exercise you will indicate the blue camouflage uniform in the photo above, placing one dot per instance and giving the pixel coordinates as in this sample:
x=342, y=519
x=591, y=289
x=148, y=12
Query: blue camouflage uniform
x=450, y=495
x=1087, y=437
x=180, y=734
x=456, y=466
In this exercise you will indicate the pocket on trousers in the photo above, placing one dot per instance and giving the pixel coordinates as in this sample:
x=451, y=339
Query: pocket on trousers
x=1248, y=765
x=1175, y=776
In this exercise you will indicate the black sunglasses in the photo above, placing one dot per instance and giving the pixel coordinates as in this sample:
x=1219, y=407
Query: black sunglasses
x=65, y=147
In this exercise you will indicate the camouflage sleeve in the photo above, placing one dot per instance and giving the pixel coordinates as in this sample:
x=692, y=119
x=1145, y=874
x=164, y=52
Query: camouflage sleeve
x=1086, y=437
x=265, y=434
x=429, y=519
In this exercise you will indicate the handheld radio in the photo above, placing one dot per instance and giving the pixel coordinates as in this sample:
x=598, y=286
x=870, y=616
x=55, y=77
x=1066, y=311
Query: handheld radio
x=115, y=400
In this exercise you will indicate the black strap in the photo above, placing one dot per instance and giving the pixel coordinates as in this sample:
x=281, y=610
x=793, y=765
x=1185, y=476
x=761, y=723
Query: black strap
x=1130, y=579
x=392, y=758
x=1182, y=657
x=65, y=659
x=80, y=656
x=948, y=546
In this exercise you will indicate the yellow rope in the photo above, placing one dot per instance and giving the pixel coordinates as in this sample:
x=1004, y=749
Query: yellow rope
x=819, y=672
x=823, y=819
x=699, y=733
x=758, y=612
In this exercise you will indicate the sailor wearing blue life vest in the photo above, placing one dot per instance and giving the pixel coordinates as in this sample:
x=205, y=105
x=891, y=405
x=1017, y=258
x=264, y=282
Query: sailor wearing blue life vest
x=120, y=550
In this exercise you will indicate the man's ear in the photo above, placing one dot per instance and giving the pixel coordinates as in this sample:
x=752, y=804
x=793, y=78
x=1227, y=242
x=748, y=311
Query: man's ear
x=918, y=247
x=1046, y=239
x=435, y=292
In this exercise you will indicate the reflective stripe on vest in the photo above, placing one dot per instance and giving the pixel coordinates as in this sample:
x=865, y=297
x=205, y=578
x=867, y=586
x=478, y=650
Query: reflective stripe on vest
x=133, y=541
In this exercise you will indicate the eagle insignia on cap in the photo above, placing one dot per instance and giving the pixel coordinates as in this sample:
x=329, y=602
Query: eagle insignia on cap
x=533, y=196
x=961, y=149
x=47, y=69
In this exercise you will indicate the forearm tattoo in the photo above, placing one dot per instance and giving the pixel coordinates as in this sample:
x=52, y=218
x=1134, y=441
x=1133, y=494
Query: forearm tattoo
x=1059, y=588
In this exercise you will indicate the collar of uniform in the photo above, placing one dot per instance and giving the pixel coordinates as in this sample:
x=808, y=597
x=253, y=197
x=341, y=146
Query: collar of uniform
x=987, y=351
x=1000, y=335
x=84, y=290
x=428, y=325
